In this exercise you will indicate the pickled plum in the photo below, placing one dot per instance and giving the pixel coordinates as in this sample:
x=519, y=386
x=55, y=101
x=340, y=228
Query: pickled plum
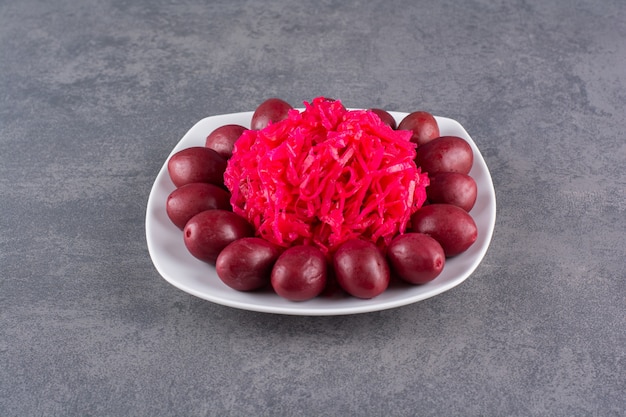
x=361, y=269
x=271, y=110
x=451, y=226
x=246, y=264
x=423, y=125
x=196, y=164
x=300, y=273
x=185, y=202
x=222, y=139
x=416, y=258
x=207, y=233
x=445, y=154
x=385, y=116
x=452, y=188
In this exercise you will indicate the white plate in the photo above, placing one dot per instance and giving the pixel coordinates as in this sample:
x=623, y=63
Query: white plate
x=179, y=268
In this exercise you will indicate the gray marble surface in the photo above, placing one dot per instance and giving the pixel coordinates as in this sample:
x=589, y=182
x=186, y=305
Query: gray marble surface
x=95, y=94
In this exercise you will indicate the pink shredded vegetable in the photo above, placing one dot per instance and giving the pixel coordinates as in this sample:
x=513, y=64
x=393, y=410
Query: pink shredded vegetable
x=326, y=175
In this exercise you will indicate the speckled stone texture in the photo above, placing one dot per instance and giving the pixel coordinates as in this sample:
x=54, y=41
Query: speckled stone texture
x=95, y=94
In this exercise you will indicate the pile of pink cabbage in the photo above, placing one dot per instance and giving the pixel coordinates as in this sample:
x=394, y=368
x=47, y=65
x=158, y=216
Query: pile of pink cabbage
x=325, y=175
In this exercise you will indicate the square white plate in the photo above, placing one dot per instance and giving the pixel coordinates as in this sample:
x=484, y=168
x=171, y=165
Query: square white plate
x=178, y=267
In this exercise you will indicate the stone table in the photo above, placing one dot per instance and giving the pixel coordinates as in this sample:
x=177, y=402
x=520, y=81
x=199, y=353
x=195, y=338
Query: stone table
x=94, y=96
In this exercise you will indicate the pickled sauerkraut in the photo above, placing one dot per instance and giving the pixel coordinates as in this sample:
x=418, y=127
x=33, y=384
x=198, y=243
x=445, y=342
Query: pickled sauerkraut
x=325, y=175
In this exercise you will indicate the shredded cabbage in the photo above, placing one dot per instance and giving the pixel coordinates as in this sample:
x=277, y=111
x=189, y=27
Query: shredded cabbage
x=326, y=175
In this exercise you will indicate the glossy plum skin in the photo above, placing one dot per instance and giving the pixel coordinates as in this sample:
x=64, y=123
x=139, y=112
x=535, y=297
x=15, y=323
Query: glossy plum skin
x=222, y=139
x=246, y=264
x=185, y=202
x=361, y=269
x=207, y=233
x=385, y=117
x=416, y=258
x=445, y=154
x=196, y=164
x=452, y=188
x=300, y=273
x=423, y=125
x=271, y=110
x=451, y=226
